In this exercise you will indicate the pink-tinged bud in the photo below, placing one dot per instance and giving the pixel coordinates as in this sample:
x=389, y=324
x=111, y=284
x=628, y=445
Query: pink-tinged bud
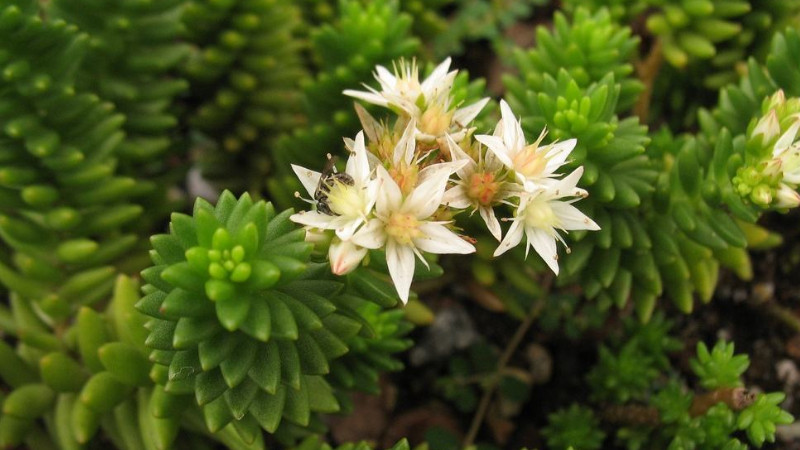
x=345, y=256
x=768, y=126
x=483, y=188
x=786, y=197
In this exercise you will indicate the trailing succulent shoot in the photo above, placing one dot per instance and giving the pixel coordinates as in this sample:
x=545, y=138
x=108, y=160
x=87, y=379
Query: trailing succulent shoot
x=667, y=414
x=344, y=53
x=588, y=47
x=131, y=62
x=244, y=71
x=677, y=242
x=96, y=380
x=707, y=37
x=64, y=206
x=247, y=326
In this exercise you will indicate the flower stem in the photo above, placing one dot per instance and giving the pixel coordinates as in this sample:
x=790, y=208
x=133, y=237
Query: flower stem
x=647, y=70
x=511, y=347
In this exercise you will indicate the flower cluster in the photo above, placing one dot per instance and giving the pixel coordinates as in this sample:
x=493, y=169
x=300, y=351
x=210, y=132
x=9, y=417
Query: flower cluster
x=403, y=183
x=772, y=180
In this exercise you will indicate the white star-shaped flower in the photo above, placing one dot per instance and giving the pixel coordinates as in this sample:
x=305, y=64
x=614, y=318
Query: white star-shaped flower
x=531, y=163
x=542, y=213
x=787, y=152
x=404, y=226
x=350, y=204
x=479, y=186
x=428, y=102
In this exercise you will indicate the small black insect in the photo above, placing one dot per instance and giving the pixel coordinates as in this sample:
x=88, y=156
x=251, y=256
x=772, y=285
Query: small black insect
x=327, y=179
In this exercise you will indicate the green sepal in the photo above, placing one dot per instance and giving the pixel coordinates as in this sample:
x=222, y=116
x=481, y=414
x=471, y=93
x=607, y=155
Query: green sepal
x=284, y=325
x=371, y=285
x=297, y=408
x=268, y=409
x=232, y=311
x=92, y=334
x=126, y=363
x=248, y=429
x=290, y=363
x=182, y=276
x=85, y=422
x=103, y=392
x=312, y=358
x=181, y=303
x=13, y=430
x=239, y=398
x=263, y=276
x=184, y=365
x=320, y=395
x=29, y=401
x=266, y=368
x=169, y=248
x=217, y=414
x=62, y=373
x=190, y=332
x=213, y=351
x=209, y=386
x=258, y=322
x=236, y=364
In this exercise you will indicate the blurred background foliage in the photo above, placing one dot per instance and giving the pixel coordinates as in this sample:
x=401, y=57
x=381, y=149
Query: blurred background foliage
x=116, y=116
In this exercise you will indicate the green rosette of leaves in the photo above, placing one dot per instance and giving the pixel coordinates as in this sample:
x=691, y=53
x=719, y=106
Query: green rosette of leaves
x=242, y=320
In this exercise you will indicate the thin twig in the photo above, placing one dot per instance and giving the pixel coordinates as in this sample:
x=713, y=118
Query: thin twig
x=647, y=71
x=522, y=330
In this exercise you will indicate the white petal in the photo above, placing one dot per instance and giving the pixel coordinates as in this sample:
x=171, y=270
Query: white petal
x=314, y=219
x=369, y=97
x=512, y=130
x=440, y=240
x=487, y=214
x=404, y=150
x=545, y=246
x=427, y=196
x=435, y=77
x=400, y=259
x=572, y=218
x=512, y=239
x=344, y=256
x=463, y=116
x=458, y=154
x=456, y=197
x=389, y=195
x=385, y=78
x=558, y=154
x=768, y=126
x=358, y=164
x=372, y=235
x=786, y=139
x=345, y=230
x=308, y=178
x=498, y=147
x=567, y=186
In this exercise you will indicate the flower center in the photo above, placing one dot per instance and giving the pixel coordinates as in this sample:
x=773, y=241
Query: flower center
x=540, y=214
x=529, y=161
x=405, y=176
x=346, y=200
x=482, y=188
x=435, y=121
x=403, y=227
